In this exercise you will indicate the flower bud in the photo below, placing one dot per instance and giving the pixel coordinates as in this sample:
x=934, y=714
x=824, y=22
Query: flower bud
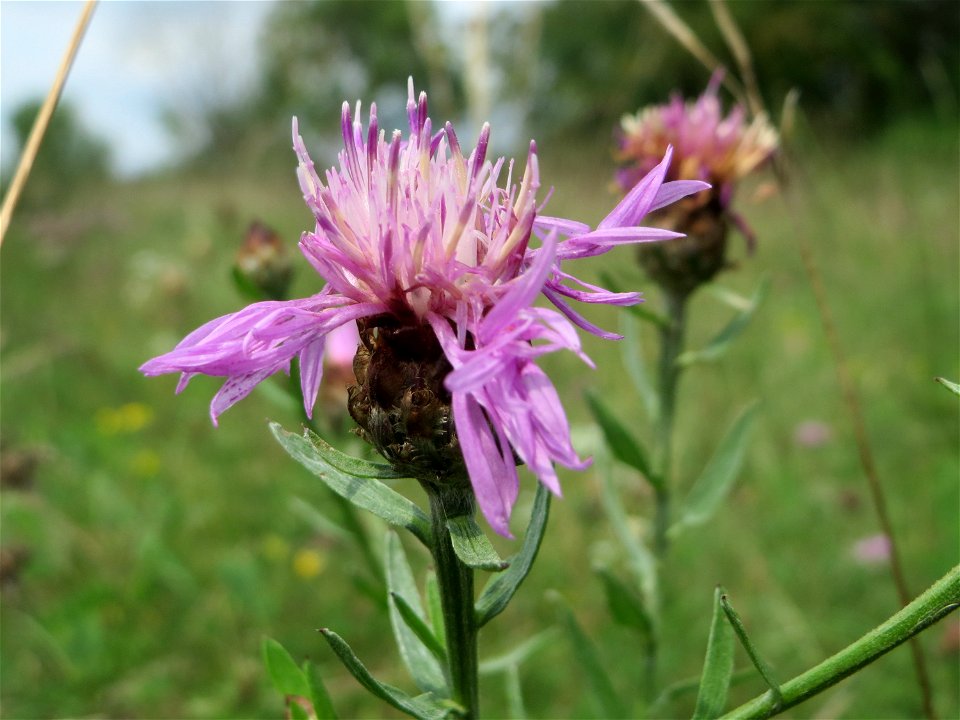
x=263, y=269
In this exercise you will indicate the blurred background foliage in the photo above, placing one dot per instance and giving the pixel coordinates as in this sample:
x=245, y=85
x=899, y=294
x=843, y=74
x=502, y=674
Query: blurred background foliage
x=145, y=554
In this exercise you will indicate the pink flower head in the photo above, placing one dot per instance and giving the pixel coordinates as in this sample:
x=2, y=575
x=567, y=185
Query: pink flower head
x=707, y=146
x=413, y=229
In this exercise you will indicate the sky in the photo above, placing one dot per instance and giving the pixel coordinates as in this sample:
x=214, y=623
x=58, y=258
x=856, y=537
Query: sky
x=137, y=60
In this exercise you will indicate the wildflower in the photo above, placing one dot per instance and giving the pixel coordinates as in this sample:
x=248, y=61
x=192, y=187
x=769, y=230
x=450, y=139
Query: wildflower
x=871, y=550
x=708, y=146
x=429, y=251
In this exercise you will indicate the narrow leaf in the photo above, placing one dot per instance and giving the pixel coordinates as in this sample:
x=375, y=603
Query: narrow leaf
x=718, y=665
x=951, y=386
x=317, y=521
x=284, y=673
x=626, y=608
x=418, y=658
x=683, y=687
x=718, y=476
x=632, y=354
x=519, y=654
x=642, y=562
x=366, y=493
x=348, y=464
x=515, y=705
x=722, y=340
x=586, y=652
x=472, y=546
x=296, y=711
x=420, y=628
x=319, y=697
x=624, y=446
x=422, y=706
x=435, y=609
x=501, y=587
x=762, y=666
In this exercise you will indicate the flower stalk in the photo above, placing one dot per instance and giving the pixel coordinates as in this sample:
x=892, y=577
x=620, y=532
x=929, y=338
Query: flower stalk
x=455, y=580
x=942, y=598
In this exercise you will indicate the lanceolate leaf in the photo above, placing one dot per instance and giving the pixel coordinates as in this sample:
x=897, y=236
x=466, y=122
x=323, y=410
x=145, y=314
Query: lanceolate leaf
x=366, y=493
x=472, y=546
x=762, y=666
x=718, y=476
x=586, y=652
x=632, y=354
x=501, y=587
x=717, y=667
x=626, y=608
x=435, y=608
x=624, y=446
x=422, y=706
x=349, y=464
x=284, y=673
x=419, y=627
x=951, y=386
x=419, y=659
x=721, y=341
x=322, y=705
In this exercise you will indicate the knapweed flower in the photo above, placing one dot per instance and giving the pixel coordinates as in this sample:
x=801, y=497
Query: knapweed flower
x=709, y=146
x=431, y=252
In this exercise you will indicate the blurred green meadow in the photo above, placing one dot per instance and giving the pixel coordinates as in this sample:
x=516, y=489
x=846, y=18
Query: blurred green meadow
x=146, y=553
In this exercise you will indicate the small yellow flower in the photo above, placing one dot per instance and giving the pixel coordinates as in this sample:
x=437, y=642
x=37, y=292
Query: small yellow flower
x=308, y=563
x=129, y=418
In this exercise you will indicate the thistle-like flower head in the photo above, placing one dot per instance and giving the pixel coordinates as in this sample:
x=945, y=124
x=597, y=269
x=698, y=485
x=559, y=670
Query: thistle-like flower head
x=707, y=144
x=439, y=256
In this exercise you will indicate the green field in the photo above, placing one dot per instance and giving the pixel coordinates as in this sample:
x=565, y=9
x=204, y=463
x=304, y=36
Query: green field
x=157, y=551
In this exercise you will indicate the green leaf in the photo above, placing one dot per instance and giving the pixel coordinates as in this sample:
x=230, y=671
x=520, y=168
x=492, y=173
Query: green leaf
x=296, y=711
x=501, y=587
x=514, y=692
x=435, y=609
x=721, y=341
x=678, y=689
x=348, y=464
x=366, y=493
x=762, y=666
x=951, y=386
x=586, y=652
x=284, y=673
x=317, y=521
x=642, y=561
x=425, y=707
x=319, y=697
x=624, y=446
x=718, y=665
x=420, y=661
x=472, y=546
x=718, y=476
x=632, y=354
x=626, y=608
x=419, y=628
x=519, y=654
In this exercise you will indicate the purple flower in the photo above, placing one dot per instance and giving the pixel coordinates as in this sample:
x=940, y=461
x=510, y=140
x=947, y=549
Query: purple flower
x=871, y=550
x=414, y=230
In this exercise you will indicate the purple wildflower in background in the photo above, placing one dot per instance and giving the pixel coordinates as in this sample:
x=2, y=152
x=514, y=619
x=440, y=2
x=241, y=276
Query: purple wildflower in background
x=413, y=234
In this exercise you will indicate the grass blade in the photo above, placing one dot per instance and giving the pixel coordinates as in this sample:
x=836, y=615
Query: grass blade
x=501, y=587
x=951, y=386
x=717, y=666
x=366, y=493
x=472, y=546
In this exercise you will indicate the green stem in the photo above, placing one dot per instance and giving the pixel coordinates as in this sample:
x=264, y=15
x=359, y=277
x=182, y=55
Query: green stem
x=671, y=345
x=456, y=596
x=942, y=598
